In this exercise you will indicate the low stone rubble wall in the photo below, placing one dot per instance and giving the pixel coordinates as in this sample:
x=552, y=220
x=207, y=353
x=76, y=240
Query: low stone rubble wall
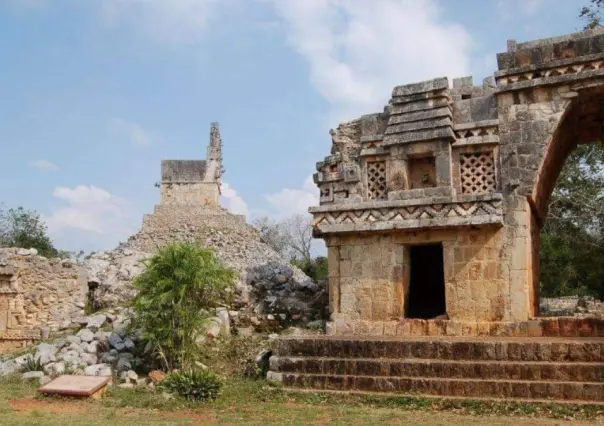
x=570, y=306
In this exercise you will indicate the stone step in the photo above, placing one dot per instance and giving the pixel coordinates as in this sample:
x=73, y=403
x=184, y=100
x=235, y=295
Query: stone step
x=513, y=389
x=488, y=370
x=442, y=348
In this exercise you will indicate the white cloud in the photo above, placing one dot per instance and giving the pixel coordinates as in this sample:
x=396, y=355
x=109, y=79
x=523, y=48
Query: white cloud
x=290, y=201
x=99, y=218
x=231, y=201
x=44, y=165
x=358, y=49
x=137, y=135
x=171, y=21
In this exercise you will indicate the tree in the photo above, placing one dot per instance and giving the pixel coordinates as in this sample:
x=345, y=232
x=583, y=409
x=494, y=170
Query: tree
x=177, y=292
x=272, y=234
x=572, y=238
x=298, y=234
x=25, y=229
x=592, y=14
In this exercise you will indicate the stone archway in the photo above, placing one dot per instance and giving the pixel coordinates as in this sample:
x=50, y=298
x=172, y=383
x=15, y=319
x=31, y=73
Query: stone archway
x=582, y=122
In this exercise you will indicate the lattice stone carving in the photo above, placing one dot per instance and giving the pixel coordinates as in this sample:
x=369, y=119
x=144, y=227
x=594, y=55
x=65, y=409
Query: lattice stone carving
x=376, y=180
x=477, y=172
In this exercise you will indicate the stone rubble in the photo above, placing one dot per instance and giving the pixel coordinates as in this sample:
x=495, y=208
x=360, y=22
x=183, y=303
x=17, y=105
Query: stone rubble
x=267, y=284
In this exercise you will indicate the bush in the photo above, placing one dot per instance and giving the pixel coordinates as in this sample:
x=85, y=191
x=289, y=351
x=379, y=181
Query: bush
x=198, y=385
x=33, y=364
x=181, y=285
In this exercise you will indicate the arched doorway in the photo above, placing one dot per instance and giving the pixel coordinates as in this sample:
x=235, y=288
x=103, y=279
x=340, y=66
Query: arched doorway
x=567, y=201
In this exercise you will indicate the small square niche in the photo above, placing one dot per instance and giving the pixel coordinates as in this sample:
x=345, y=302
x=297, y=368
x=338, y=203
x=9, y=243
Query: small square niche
x=422, y=172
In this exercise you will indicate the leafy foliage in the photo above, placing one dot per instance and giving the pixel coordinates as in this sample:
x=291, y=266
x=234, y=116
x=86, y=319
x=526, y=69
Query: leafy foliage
x=33, y=364
x=316, y=268
x=180, y=287
x=198, y=385
x=25, y=229
x=572, y=239
x=592, y=14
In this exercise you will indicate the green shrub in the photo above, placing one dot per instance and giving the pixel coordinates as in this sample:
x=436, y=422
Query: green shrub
x=33, y=364
x=182, y=284
x=199, y=385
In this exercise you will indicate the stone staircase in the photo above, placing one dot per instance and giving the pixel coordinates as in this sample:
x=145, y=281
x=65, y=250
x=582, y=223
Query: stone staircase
x=529, y=369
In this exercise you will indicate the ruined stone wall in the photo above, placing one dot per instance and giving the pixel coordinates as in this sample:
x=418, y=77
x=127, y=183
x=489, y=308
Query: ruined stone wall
x=48, y=292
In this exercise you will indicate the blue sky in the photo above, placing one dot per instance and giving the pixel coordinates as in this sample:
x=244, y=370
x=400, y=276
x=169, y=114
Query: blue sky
x=94, y=93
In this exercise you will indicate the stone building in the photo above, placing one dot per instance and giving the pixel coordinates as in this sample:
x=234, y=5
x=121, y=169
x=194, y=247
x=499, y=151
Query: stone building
x=432, y=208
x=194, y=182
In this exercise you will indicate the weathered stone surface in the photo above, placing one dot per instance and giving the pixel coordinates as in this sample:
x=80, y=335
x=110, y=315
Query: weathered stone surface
x=417, y=161
x=39, y=296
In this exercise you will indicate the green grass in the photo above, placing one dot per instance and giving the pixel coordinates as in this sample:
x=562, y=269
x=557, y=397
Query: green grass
x=259, y=403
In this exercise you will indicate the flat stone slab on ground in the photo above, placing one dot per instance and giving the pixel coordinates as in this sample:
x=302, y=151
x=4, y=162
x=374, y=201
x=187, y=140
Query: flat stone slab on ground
x=83, y=386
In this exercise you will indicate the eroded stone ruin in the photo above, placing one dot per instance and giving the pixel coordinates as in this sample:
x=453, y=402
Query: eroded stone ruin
x=431, y=211
x=189, y=210
x=432, y=208
x=39, y=296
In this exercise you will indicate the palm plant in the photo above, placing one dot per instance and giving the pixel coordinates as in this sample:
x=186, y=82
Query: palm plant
x=179, y=288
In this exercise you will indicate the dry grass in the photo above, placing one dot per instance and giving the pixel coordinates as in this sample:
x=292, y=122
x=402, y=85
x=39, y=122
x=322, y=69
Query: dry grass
x=256, y=403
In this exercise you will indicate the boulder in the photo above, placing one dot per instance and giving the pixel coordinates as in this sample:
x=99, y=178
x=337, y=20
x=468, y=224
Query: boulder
x=98, y=370
x=92, y=347
x=73, y=339
x=225, y=322
x=45, y=353
x=88, y=359
x=213, y=327
x=59, y=368
x=32, y=375
x=157, y=376
x=115, y=341
x=128, y=344
x=86, y=335
x=96, y=321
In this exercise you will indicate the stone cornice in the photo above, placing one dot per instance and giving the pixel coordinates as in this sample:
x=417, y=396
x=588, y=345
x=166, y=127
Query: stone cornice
x=475, y=210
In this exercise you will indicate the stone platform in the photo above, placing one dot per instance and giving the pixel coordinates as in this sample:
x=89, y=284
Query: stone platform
x=521, y=368
x=569, y=326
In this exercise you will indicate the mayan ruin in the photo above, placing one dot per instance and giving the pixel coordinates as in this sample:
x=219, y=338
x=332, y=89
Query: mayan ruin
x=431, y=212
x=429, y=254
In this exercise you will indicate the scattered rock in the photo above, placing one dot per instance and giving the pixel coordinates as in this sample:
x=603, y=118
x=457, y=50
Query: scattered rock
x=96, y=321
x=31, y=375
x=44, y=380
x=86, y=335
x=157, y=376
x=98, y=370
x=128, y=344
x=115, y=341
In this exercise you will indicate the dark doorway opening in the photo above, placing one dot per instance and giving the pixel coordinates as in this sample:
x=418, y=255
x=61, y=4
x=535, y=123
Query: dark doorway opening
x=427, y=287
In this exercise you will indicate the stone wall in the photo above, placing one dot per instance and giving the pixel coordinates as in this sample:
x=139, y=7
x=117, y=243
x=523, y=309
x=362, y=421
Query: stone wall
x=38, y=293
x=462, y=158
x=199, y=193
x=369, y=275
